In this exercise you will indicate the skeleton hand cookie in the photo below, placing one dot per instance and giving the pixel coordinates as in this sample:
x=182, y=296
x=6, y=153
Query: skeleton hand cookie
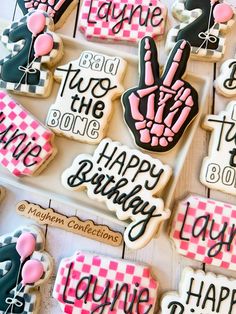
x=33, y=47
x=160, y=108
x=203, y=24
x=225, y=83
x=58, y=10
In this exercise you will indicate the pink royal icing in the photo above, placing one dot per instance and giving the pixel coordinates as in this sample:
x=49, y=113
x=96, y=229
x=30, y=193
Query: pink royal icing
x=128, y=20
x=25, y=144
x=204, y=230
x=89, y=283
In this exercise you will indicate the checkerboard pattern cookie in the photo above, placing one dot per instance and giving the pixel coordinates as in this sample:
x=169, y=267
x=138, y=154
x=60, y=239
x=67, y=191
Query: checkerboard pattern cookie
x=26, y=299
x=25, y=69
x=200, y=28
x=128, y=20
x=25, y=144
x=87, y=283
x=204, y=230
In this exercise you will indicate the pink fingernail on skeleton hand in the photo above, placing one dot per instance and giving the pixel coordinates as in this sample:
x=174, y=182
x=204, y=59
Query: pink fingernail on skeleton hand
x=159, y=109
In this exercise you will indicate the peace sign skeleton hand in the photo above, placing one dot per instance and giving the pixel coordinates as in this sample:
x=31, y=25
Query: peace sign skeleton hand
x=160, y=108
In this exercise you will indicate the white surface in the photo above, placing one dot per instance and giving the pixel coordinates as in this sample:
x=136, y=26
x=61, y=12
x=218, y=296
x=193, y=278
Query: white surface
x=166, y=264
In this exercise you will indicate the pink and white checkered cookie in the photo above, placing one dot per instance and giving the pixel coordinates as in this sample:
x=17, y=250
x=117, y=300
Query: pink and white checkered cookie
x=128, y=20
x=205, y=230
x=25, y=144
x=94, y=284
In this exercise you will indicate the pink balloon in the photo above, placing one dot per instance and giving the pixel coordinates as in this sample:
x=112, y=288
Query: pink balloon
x=223, y=13
x=25, y=245
x=43, y=45
x=32, y=271
x=36, y=23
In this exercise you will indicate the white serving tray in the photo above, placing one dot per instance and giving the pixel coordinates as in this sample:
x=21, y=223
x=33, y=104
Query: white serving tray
x=48, y=183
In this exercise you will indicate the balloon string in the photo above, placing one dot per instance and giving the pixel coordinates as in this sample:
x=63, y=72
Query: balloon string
x=17, y=280
x=26, y=70
x=13, y=299
x=206, y=35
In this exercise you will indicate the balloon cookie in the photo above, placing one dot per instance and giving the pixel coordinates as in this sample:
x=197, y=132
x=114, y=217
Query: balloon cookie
x=160, y=108
x=89, y=283
x=219, y=167
x=201, y=293
x=24, y=265
x=203, y=23
x=204, y=230
x=58, y=10
x=84, y=104
x=26, y=146
x=127, y=181
x=32, y=45
x=122, y=20
x=225, y=83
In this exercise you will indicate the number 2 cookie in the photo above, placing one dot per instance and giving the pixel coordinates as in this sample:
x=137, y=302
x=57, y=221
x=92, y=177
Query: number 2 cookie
x=219, y=167
x=225, y=83
x=58, y=10
x=24, y=266
x=203, y=24
x=33, y=45
x=84, y=104
x=160, y=108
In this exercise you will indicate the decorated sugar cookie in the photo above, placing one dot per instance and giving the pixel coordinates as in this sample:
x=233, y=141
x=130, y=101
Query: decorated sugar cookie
x=33, y=47
x=89, y=283
x=59, y=10
x=126, y=20
x=219, y=167
x=201, y=293
x=26, y=146
x=24, y=266
x=204, y=230
x=127, y=181
x=203, y=23
x=84, y=105
x=225, y=83
x=159, y=109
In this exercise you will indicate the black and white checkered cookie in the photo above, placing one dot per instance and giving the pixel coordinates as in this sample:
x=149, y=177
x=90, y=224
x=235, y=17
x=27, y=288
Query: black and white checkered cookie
x=186, y=17
x=29, y=294
x=46, y=78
